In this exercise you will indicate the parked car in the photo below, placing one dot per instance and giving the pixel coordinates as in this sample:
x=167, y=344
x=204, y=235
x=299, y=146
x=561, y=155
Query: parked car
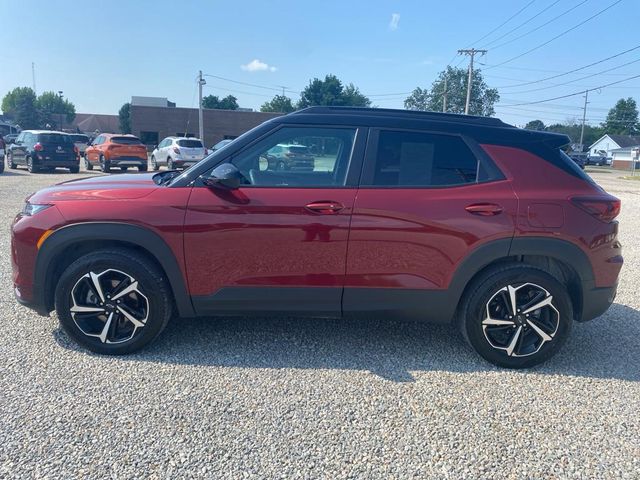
x=110, y=150
x=43, y=150
x=597, y=160
x=81, y=141
x=178, y=152
x=438, y=217
x=221, y=144
x=289, y=157
x=1, y=160
x=579, y=160
x=10, y=138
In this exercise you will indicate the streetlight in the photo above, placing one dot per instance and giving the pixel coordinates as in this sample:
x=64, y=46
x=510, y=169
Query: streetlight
x=60, y=125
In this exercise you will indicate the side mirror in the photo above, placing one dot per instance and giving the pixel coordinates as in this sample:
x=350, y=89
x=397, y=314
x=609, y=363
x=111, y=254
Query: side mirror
x=224, y=176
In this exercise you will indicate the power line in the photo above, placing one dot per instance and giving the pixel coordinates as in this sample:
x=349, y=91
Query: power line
x=523, y=23
x=560, y=34
x=576, y=93
x=572, y=81
x=572, y=71
x=557, y=17
x=504, y=23
x=277, y=89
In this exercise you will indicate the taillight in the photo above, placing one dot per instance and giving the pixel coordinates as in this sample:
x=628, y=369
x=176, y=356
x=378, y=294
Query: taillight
x=176, y=150
x=75, y=149
x=38, y=147
x=603, y=208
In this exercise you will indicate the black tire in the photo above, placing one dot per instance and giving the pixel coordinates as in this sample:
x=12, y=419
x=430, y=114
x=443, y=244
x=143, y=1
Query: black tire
x=74, y=169
x=154, y=164
x=105, y=165
x=87, y=164
x=528, y=346
x=170, y=163
x=124, y=169
x=10, y=163
x=281, y=166
x=2, y=165
x=31, y=167
x=142, y=168
x=151, y=299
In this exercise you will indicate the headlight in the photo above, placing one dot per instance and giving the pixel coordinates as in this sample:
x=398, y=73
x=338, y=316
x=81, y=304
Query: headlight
x=33, y=208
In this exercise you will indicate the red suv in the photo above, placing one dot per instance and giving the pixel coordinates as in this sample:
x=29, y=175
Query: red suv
x=439, y=217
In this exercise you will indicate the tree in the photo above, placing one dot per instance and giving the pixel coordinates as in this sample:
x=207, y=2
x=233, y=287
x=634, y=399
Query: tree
x=535, y=125
x=623, y=118
x=331, y=92
x=20, y=105
x=227, y=103
x=124, y=118
x=418, y=100
x=53, y=109
x=279, y=103
x=482, y=99
x=572, y=128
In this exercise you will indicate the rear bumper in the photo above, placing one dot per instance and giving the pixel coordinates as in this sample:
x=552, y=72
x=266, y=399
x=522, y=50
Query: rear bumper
x=43, y=161
x=596, y=301
x=127, y=161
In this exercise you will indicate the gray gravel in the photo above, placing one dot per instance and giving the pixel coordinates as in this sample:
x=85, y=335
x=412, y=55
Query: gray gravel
x=291, y=398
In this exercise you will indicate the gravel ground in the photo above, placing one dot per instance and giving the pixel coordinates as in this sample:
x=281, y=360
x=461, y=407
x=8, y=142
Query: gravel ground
x=292, y=398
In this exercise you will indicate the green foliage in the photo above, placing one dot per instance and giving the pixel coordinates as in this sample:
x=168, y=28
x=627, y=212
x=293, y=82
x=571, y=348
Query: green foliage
x=55, y=110
x=124, y=118
x=331, y=92
x=279, y=103
x=573, y=128
x=535, y=125
x=227, y=103
x=482, y=99
x=20, y=105
x=623, y=118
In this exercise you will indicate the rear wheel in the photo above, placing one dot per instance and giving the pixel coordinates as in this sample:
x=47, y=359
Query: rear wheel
x=105, y=164
x=31, y=167
x=170, y=163
x=74, y=170
x=113, y=302
x=154, y=164
x=516, y=316
x=123, y=169
x=142, y=168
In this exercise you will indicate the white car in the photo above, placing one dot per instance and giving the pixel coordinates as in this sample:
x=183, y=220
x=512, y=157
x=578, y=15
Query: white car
x=178, y=152
x=81, y=141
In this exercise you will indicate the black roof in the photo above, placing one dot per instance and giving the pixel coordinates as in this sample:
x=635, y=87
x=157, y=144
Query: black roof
x=625, y=140
x=483, y=129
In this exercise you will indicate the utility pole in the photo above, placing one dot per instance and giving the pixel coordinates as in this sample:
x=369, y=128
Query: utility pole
x=444, y=96
x=584, y=116
x=201, y=82
x=33, y=76
x=471, y=52
x=283, y=89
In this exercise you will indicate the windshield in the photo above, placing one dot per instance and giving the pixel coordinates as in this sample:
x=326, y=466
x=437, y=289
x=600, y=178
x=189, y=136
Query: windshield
x=190, y=143
x=126, y=140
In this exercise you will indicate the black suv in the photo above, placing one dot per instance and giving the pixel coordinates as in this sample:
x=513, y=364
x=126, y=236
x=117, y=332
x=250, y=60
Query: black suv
x=43, y=150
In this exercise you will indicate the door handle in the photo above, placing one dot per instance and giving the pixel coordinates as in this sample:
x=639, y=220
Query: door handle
x=326, y=208
x=484, y=209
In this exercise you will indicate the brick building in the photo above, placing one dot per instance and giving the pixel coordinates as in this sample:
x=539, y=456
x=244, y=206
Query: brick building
x=153, y=123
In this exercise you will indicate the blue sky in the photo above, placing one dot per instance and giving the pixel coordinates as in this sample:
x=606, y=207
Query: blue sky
x=155, y=48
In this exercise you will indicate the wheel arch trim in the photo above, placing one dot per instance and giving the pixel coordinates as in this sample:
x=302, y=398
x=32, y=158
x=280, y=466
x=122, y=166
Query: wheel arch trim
x=136, y=235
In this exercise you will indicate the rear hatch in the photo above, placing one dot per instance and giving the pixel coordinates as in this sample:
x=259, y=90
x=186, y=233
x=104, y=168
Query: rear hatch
x=56, y=146
x=191, y=149
x=299, y=157
x=80, y=141
x=127, y=147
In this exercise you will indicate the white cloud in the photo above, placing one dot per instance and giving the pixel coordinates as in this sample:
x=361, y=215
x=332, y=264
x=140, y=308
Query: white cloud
x=256, y=65
x=393, y=23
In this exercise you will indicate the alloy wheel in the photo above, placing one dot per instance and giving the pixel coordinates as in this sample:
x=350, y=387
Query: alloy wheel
x=109, y=306
x=519, y=320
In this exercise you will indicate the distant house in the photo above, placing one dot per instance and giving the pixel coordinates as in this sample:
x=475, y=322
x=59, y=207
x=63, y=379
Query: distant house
x=90, y=122
x=622, y=157
x=606, y=144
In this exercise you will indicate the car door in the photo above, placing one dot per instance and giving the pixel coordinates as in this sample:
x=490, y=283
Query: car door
x=277, y=243
x=159, y=151
x=18, y=149
x=92, y=151
x=426, y=200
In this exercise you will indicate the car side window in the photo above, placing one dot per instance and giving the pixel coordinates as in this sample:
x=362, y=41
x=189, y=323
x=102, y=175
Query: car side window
x=20, y=138
x=298, y=157
x=29, y=139
x=421, y=159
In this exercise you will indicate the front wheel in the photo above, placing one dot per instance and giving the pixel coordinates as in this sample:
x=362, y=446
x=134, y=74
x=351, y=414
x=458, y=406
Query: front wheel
x=516, y=316
x=113, y=302
x=87, y=164
x=10, y=162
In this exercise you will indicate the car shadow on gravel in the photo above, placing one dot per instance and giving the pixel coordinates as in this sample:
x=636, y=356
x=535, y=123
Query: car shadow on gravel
x=608, y=347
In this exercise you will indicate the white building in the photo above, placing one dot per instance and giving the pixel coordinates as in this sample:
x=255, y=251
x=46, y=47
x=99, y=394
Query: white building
x=622, y=157
x=606, y=144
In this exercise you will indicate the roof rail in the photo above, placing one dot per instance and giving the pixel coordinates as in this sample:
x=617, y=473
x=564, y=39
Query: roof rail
x=386, y=112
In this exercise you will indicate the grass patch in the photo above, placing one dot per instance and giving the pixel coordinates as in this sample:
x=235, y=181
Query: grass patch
x=635, y=177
